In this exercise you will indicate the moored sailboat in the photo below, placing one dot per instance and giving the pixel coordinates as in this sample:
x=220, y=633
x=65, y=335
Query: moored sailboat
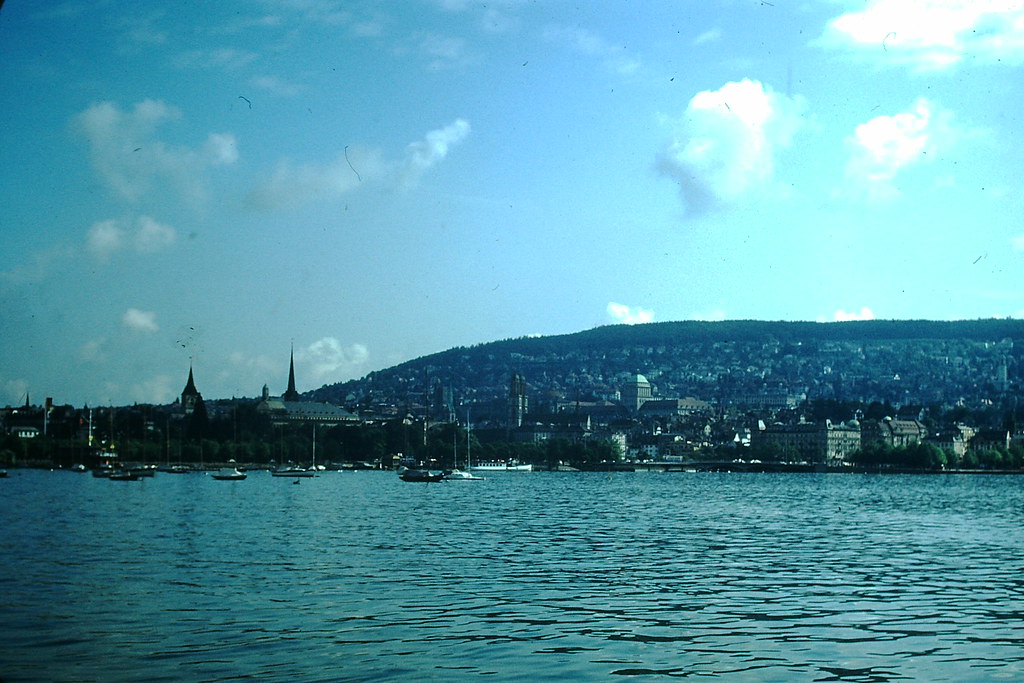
x=228, y=474
x=467, y=474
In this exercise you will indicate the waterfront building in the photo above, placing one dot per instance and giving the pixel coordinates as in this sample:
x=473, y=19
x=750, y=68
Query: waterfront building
x=893, y=432
x=573, y=427
x=814, y=442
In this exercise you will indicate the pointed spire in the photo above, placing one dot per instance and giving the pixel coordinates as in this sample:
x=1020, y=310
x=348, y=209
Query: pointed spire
x=190, y=386
x=190, y=395
x=291, y=394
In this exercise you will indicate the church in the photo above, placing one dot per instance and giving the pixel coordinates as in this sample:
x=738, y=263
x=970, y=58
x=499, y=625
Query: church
x=289, y=408
x=191, y=399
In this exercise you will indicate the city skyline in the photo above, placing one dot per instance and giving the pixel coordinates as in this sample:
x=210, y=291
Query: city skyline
x=373, y=182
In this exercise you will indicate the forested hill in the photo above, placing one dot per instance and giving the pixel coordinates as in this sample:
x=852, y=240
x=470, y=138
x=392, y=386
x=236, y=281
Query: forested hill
x=914, y=360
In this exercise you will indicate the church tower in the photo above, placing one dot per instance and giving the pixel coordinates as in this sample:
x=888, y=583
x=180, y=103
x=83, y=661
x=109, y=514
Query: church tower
x=291, y=394
x=190, y=395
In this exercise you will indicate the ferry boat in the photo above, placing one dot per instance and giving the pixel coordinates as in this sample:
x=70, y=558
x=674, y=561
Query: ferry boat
x=512, y=466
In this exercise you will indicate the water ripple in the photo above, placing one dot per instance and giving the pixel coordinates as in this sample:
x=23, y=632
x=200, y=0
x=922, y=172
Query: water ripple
x=537, y=577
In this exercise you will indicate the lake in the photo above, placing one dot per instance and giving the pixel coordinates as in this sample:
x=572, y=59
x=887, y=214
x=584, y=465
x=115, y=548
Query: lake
x=355, y=576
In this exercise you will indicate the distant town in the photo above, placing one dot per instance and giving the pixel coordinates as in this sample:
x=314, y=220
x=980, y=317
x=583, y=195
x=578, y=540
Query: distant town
x=768, y=396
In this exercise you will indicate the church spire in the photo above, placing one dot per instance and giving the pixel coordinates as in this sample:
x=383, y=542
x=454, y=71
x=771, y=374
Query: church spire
x=189, y=395
x=291, y=394
x=190, y=385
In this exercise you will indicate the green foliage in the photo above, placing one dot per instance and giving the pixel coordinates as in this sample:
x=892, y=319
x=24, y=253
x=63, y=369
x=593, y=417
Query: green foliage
x=918, y=456
x=767, y=450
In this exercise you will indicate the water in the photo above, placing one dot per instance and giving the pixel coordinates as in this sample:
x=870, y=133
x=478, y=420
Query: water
x=532, y=577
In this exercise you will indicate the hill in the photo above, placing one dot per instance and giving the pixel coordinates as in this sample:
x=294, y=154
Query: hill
x=902, y=362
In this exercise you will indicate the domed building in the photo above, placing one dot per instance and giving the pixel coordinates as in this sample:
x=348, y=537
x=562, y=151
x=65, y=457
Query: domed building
x=636, y=392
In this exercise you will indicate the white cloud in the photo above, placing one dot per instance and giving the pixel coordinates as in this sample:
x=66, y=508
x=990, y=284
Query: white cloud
x=276, y=86
x=291, y=185
x=711, y=36
x=621, y=313
x=260, y=364
x=157, y=390
x=228, y=59
x=151, y=236
x=14, y=391
x=93, y=351
x=423, y=154
x=444, y=52
x=930, y=35
x=355, y=166
x=1018, y=242
x=108, y=237
x=105, y=238
x=329, y=361
x=221, y=149
x=133, y=162
x=885, y=145
x=842, y=316
x=139, y=321
x=615, y=58
x=726, y=143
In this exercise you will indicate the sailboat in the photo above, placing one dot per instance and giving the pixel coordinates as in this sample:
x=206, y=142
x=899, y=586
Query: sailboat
x=466, y=474
x=229, y=473
x=294, y=471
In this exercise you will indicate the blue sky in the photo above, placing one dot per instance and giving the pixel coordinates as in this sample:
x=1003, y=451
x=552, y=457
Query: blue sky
x=376, y=181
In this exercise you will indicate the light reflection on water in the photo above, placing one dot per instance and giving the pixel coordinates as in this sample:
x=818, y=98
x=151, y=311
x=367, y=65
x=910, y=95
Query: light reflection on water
x=539, y=576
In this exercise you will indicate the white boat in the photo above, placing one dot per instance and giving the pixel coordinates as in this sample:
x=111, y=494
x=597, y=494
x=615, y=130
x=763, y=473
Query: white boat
x=292, y=472
x=295, y=471
x=502, y=467
x=461, y=475
x=466, y=474
x=228, y=474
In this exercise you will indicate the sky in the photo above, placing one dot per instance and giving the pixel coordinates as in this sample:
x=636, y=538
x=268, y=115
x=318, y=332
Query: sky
x=218, y=185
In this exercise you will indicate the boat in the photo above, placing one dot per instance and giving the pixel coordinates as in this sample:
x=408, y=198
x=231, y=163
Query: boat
x=3, y=474
x=466, y=474
x=513, y=466
x=421, y=475
x=123, y=475
x=461, y=475
x=292, y=471
x=228, y=474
